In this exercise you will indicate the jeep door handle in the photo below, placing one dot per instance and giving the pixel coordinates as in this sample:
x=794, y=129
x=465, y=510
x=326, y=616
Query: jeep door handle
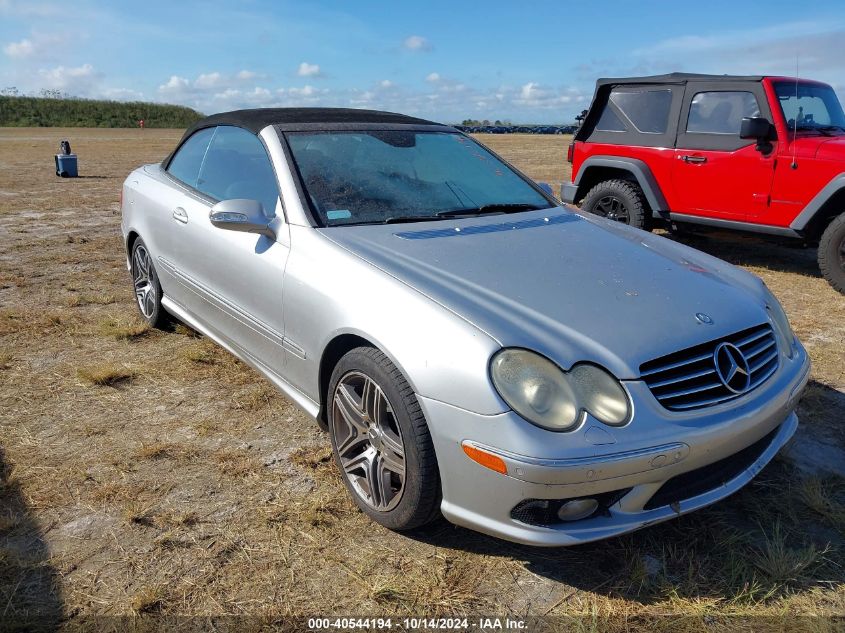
x=693, y=159
x=180, y=215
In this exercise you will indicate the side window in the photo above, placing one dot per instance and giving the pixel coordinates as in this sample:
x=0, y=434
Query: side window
x=643, y=115
x=609, y=122
x=237, y=166
x=720, y=112
x=186, y=164
x=646, y=110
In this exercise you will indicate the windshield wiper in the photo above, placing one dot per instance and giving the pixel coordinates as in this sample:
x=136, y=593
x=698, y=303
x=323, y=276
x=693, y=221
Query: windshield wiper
x=502, y=207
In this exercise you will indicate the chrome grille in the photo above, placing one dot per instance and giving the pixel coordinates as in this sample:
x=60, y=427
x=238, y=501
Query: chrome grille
x=689, y=380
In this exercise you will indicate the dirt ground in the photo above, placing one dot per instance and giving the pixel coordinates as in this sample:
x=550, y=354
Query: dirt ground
x=146, y=472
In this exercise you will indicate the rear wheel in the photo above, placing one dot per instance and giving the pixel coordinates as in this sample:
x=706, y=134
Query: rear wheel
x=381, y=442
x=618, y=200
x=831, y=253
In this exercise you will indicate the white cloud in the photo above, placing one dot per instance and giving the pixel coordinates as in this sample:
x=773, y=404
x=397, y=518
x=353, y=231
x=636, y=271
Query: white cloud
x=17, y=50
x=246, y=75
x=772, y=50
x=417, y=43
x=38, y=45
x=79, y=80
x=528, y=91
x=208, y=80
x=308, y=70
x=174, y=84
x=305, y=91
x=445, y=99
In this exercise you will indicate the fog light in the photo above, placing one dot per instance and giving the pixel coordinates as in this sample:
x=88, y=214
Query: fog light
x=577, y=509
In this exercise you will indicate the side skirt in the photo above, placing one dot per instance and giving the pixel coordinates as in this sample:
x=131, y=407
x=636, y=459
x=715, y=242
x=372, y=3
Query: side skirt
x=783, y=231
x=292, y=393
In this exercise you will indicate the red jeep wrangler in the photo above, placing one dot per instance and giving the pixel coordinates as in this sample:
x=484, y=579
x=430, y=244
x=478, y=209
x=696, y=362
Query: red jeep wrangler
x=760, y=154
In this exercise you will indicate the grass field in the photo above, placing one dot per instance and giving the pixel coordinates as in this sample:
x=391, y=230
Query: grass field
x=147, y=472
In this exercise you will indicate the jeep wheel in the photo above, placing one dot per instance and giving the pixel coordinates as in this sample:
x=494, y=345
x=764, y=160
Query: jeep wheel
x=832, y=253
x=618, y=200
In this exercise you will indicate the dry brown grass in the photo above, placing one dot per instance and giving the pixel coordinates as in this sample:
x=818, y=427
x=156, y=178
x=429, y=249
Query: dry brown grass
x=123, y=329
x=194, y=488
x=106, y=375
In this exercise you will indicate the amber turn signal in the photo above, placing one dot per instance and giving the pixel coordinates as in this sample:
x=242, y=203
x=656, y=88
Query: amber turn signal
x=488, y=460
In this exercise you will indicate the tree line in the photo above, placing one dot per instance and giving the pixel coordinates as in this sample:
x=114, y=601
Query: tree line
x=63, y=111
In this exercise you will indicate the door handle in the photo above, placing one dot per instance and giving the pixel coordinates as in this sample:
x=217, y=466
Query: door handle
x=694, y=159
x=180, y=215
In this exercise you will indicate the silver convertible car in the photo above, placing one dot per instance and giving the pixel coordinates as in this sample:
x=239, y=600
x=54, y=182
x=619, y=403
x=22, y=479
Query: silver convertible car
x=472, y=347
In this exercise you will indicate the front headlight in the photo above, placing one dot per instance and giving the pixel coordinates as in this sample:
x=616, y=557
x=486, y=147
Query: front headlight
x=551, y=398
x=784, y=332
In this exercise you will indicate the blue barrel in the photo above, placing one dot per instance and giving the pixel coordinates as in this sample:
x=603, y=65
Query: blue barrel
x=66, y=165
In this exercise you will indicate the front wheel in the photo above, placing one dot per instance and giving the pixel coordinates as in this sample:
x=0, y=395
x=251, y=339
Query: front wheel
x=146, y=286
x=618, y=200
x=381, y=442
x=831, y=255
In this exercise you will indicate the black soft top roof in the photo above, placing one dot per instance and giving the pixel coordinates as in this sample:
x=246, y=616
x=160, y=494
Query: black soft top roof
x=675, y=78
x=257, y=119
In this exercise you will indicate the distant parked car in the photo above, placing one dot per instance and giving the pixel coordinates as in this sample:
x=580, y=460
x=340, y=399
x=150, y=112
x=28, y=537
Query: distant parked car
x=758, y=154
x=472, y=347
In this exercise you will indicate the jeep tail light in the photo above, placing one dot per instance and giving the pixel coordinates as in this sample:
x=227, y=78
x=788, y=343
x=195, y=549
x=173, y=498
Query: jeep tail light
x=570, y=152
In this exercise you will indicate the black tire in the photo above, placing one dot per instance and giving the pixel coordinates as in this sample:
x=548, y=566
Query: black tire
x=618, y=200
x=831, y=253
x=419, y=501
x=149, y=306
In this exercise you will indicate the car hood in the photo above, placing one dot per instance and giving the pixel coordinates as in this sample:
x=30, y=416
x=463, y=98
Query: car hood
x=572, y=287
x=832, y=149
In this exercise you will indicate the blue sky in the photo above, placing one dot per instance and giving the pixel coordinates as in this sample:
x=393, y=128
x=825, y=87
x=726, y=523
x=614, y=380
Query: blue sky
x=530, y=61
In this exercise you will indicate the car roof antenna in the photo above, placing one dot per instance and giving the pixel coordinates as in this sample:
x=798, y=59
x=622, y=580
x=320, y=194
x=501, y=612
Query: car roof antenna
x=794, y=164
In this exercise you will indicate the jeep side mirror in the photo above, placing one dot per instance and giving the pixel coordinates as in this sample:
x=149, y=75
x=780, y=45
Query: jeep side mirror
x=756, y=127
x=241, y=215
x=759, y=129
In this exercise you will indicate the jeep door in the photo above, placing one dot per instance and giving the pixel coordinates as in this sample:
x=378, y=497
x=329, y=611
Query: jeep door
x=234, y=279
x=716, y=173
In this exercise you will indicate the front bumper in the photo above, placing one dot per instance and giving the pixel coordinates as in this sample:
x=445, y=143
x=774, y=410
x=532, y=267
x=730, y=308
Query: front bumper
x=638, y=460
x=568, y=192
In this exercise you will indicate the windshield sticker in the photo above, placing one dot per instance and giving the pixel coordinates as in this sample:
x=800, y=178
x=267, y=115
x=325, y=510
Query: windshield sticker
x=339, y=214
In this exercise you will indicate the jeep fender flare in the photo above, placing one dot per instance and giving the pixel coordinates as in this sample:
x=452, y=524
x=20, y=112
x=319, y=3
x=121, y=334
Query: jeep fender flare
x=817, y=204
x=637, y=168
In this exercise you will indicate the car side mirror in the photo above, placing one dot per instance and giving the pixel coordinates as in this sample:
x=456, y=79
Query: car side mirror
x=242, y=215
x=755, y=127
x=759, y=129
x=546, y=187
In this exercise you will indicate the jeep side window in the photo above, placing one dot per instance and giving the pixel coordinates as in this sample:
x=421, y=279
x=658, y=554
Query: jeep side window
x=642, y=110
x=609, y=122
x=720, y=112
x=647, y=110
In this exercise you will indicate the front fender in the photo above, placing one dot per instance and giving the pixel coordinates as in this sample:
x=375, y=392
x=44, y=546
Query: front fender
x=329, y=292
x=803, y=219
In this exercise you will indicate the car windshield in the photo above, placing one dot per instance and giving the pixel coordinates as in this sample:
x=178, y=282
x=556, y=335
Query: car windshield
x=810, y=106
x=366, y=177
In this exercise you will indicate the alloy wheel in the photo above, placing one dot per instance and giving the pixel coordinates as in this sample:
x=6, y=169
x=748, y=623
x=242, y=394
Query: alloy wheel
x=369, y=441
x=842, y=253
x=613, y=208
x=143, y=278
